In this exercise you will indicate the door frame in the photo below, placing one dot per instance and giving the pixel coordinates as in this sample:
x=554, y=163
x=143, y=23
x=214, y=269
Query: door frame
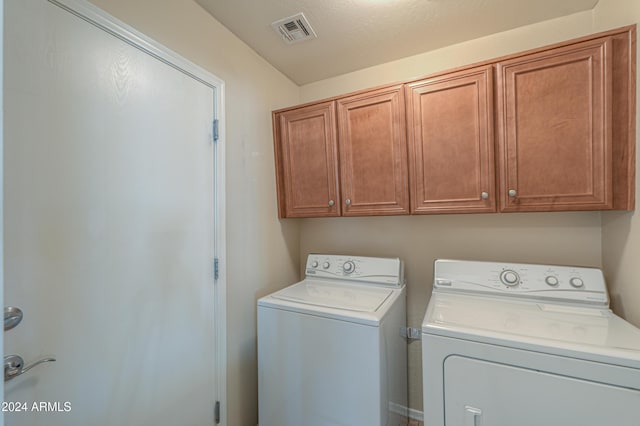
x=102, y=20
x=1, y=185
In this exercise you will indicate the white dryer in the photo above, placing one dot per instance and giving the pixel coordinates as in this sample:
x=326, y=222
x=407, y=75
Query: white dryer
x=330, y=350
x=527, y=345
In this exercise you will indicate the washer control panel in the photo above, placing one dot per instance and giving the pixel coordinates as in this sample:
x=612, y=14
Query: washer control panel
x=570, y=284
x=376, y=270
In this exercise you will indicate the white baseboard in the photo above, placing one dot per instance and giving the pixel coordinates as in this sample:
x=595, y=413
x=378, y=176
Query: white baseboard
x=416, y=415
x=406, y=411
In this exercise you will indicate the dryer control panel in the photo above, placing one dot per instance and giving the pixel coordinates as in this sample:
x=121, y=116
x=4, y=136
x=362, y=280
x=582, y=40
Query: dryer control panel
x=569, y=284
x=388, y=272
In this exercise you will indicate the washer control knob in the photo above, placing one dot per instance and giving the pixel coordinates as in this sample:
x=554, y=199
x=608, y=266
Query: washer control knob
x=326, y=265
x=314, y=264
x=576, y=282
x=348, y=267
x=552, y=280
x=509, y=277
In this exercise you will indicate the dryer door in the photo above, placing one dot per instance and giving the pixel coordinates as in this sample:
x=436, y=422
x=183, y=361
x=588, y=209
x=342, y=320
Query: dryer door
x=482, y=393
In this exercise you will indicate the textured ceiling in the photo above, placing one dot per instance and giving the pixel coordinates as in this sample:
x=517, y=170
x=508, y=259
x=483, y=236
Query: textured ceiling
x=355, y=34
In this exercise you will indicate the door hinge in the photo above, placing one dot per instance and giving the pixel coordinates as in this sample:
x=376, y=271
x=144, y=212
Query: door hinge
x=215, y=130
x=216, y=412
x=216, y=268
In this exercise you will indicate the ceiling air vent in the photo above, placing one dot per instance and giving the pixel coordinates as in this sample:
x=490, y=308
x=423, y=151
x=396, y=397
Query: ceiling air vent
x=294, y=28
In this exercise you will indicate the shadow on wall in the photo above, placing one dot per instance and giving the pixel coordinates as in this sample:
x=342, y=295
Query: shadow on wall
x=616, y=231
x=272, y=278
x=524, y=237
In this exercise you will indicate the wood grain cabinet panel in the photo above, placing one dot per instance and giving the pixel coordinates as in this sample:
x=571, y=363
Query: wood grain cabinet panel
x=306, y=161
x=373, y=153
x=563, y=117
x=555, y=126
x=450, y=135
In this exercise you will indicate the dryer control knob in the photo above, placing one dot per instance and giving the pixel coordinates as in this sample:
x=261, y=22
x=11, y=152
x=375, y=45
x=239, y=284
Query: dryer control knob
x=509, y=277
x=326, y=265
x=314, y=264
x=551, y=280
x=576, y=282
x=348, y=267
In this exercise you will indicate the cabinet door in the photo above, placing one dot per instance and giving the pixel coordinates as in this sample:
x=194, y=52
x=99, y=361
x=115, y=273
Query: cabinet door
x=306, y=161
x=555, y=144
x=373, y=153
x=450, y=133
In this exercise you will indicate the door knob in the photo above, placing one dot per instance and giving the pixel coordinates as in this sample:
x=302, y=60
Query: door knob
x=14, y=366
x=12, y=317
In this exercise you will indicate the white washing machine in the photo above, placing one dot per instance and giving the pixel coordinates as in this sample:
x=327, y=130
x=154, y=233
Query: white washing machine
x=330, y=350
x=527, y=345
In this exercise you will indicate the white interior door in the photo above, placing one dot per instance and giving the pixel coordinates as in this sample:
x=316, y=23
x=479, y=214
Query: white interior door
x=109, y=227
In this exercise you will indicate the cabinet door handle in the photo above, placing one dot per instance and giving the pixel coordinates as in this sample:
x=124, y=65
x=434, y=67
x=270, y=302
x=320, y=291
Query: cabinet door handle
x=331, y=203
x=484, y=195
x=347, y=201
x=512, y=193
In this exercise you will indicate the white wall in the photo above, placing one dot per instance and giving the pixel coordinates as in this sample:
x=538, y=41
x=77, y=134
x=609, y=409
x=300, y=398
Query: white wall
x=562, y=238
x=262, y=251
x=477, y=50
x=621, y=230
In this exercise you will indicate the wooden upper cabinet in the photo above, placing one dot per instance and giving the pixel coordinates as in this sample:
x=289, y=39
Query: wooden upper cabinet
x=555, y=129
x=551, y=129
x=450, y=134
x=373, y=153
x=306, y=161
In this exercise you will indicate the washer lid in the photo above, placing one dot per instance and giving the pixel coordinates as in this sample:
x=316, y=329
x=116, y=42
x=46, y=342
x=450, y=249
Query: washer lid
x=331, y=295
